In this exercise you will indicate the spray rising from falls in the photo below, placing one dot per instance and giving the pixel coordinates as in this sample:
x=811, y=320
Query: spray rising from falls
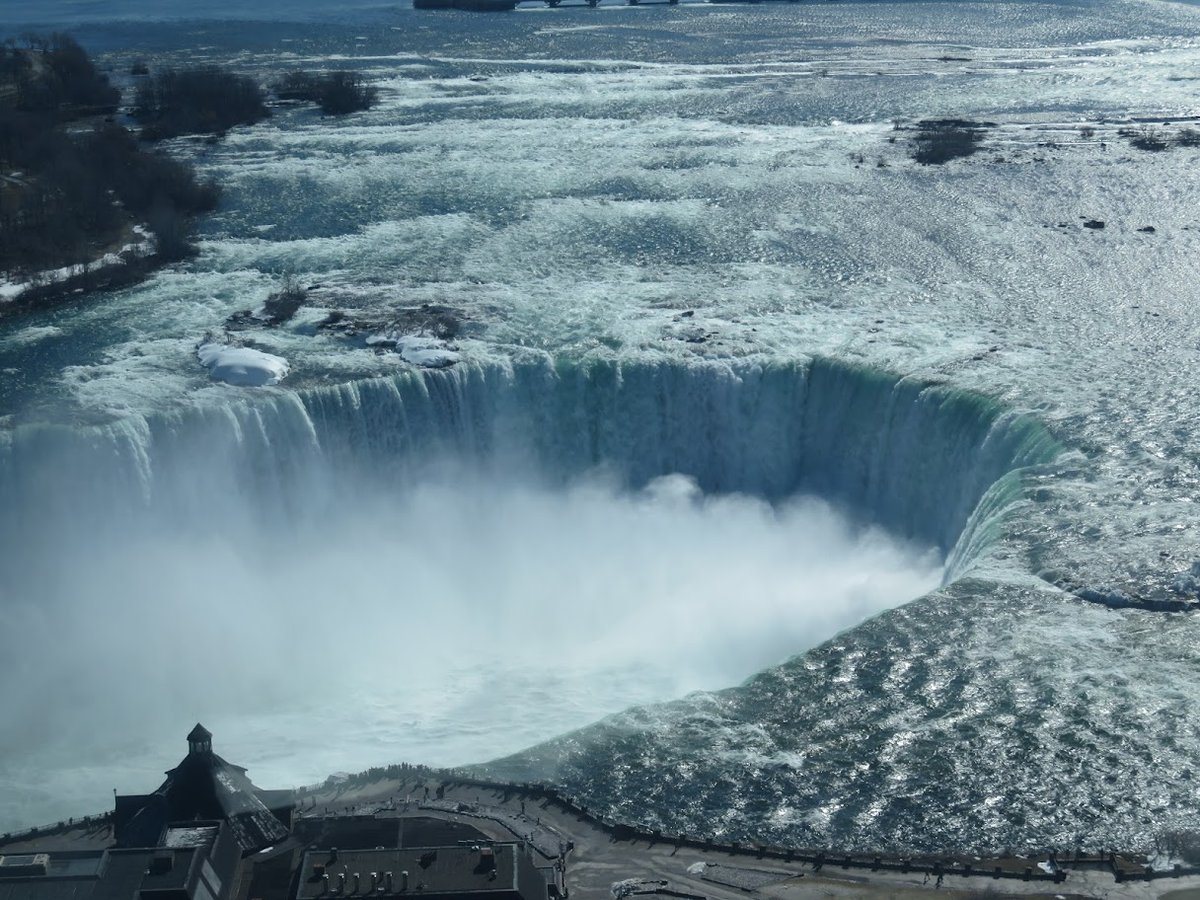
x=911, y=457
x=416, y=560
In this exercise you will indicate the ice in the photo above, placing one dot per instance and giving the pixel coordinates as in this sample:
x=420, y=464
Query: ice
x=428, y=352
x=242, y=366
x=421, y=350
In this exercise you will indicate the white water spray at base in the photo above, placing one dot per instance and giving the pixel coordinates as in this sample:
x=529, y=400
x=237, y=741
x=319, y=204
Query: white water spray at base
x=449, y=623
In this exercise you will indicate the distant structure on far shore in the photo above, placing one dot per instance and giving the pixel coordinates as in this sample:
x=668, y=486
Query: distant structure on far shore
x=471, y=5
x=508, y=5
x=208, y=833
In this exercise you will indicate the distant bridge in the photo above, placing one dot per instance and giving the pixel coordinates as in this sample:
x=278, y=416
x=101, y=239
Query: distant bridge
x=503, y=5
x=557, y=3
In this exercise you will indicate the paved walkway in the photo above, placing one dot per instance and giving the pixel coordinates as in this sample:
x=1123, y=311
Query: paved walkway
x=550, y=842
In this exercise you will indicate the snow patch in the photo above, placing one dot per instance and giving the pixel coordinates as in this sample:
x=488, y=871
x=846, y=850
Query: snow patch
x=145, y=245
x=241, y=365
x=419, y=349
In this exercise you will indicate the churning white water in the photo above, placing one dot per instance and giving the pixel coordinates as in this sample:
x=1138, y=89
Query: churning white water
x=453, y=565
x=446, y=623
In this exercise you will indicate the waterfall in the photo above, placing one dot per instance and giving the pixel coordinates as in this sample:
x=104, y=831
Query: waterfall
x=914, y=457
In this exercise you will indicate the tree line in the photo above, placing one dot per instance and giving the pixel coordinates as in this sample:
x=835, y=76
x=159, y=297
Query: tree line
x=73, y=180
x=336, y=93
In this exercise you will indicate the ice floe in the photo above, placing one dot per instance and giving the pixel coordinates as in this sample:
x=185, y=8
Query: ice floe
x=243, y=366
x=419, y=349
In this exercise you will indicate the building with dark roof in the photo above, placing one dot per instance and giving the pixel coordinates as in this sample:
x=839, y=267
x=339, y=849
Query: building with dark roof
x=207, y=833
x=197, y=862
x=185, y=841
x=483, y=871
x=208, y=788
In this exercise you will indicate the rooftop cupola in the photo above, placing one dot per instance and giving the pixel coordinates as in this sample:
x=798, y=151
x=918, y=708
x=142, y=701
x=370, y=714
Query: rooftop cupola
x=199, y=740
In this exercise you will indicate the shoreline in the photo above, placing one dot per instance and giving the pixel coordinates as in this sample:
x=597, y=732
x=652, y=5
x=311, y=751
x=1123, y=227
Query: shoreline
x=130, y=269
x=599, y=856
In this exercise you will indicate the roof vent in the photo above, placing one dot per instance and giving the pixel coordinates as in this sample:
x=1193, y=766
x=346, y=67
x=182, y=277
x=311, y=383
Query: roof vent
x=161, y=863
x=23, y=865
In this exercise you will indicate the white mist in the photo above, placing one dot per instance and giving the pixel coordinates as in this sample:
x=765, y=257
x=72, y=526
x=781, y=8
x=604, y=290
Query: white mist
x=454, y=621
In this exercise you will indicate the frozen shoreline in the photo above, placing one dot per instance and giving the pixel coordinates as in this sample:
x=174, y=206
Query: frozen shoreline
x=113, y=269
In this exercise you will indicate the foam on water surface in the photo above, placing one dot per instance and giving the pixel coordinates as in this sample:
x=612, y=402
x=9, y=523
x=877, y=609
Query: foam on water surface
x=447, y=623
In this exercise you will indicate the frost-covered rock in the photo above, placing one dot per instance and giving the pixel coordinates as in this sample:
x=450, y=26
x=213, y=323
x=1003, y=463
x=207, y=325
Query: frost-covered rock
x=419, y=349
x=241, y=365
x=430, y=352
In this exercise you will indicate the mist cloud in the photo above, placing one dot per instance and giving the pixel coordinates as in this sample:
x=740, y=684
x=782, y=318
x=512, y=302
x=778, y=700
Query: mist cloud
x=451, y=621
